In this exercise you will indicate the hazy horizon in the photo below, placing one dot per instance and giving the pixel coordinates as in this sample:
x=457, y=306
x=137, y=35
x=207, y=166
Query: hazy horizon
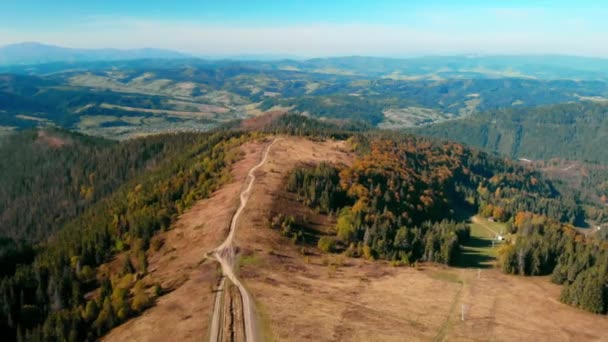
x=278, y=56
x=314, y=29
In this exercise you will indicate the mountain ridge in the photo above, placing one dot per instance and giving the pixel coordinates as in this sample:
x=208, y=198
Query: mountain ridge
x=431, y=67
x=38, y=53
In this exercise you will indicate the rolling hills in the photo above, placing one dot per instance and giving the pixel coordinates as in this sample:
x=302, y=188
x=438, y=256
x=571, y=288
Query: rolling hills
x=129, y=98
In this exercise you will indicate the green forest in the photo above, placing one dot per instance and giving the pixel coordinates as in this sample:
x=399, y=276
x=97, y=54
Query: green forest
x=547, y=247
x=110, y=198
x=574, y=131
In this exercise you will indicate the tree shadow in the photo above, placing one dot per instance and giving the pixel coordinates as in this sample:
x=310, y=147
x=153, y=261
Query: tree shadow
x=463, y=212
x=471, y=257
x=476, y=242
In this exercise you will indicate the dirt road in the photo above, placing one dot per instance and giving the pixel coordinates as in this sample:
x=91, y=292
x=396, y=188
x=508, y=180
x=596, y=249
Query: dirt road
x=225, y=254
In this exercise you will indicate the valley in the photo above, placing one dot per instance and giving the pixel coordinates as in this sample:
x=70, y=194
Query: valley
x=123, y=99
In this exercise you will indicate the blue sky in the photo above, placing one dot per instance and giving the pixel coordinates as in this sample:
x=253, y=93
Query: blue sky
x=313, y=27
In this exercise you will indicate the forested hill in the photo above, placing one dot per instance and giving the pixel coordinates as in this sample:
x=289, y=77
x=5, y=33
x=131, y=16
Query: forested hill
x=50, y=176
x=401, y=185
x=575, y=131
x=78, y=202
x=92, y=199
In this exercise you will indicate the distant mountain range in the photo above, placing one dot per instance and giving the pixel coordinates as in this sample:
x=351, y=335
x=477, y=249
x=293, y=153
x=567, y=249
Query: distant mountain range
x=36, y=53
x=544, y=67
x=37, y=58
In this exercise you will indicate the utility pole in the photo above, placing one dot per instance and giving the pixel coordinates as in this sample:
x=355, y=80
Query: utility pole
x=463, y=308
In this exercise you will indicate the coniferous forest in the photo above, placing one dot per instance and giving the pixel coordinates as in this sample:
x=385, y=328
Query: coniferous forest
x=86, y=199
x=44, y=281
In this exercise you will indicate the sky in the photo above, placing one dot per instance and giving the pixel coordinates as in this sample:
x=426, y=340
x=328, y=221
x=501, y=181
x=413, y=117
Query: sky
x=314, y=27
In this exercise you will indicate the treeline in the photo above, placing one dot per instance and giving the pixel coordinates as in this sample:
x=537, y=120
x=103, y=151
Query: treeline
x=65, y=294
x=49, y=177
x=376, y=200
x=300, y=125
x=501, y=200
x=544, y=246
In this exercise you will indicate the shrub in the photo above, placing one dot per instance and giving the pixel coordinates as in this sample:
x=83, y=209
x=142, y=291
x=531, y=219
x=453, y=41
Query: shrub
x=326, y=244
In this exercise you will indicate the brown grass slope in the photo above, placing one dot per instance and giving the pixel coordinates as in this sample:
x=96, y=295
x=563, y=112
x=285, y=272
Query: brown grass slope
x=321, y=297
x=305, y=295
x=179, y=266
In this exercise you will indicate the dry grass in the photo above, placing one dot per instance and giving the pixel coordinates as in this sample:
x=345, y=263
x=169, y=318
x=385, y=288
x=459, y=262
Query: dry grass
x=321, y=297
x=46, y=138
x=334, y=298
x=263, y=120
x=509, y=308
x=183, y=314
x=358, y=301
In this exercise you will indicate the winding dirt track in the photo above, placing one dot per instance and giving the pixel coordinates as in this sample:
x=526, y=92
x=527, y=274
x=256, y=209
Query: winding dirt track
x=225, y=255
